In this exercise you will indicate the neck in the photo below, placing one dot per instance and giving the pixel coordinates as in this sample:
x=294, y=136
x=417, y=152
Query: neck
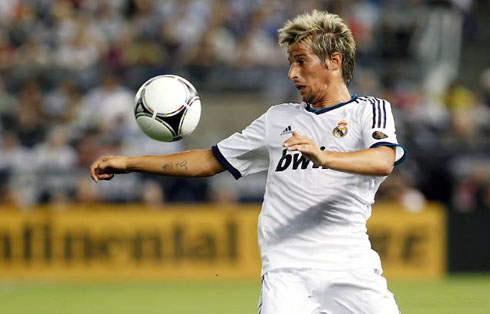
x=333, y=96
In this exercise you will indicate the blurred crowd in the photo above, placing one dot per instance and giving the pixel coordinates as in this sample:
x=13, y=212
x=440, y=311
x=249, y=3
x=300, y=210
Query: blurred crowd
x=69, y=69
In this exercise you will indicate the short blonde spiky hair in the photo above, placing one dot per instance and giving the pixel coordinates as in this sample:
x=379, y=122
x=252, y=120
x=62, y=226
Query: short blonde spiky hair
x=325, y=33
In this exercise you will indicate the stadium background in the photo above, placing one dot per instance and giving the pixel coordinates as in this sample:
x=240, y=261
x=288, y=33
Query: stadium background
x=69, y=70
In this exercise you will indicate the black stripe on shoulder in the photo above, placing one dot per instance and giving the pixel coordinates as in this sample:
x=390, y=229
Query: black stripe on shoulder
x=384, y=114
x=374, y=113
x=379, y=110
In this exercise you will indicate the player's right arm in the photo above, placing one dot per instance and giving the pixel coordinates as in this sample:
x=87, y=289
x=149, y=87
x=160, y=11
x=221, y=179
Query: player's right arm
x=192, y=163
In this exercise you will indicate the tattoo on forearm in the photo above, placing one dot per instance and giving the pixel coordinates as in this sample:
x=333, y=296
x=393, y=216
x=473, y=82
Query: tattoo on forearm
x=182, y=164
x=170, y=166
x=167, y=167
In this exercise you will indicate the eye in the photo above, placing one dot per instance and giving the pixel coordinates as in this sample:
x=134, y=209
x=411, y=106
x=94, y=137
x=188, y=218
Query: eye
x=301, y=61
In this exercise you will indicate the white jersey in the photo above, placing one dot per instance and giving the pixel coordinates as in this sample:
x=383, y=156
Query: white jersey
x=313, y=217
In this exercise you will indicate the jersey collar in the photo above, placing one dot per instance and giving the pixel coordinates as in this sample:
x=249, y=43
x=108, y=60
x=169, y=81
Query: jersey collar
x=310, y=108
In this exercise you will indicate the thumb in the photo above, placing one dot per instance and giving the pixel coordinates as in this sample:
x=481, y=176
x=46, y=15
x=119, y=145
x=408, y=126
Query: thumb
x=295, y=133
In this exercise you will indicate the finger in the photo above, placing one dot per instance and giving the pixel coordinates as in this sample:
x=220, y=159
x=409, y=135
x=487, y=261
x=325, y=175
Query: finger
x=290, y=140
x=303, y=148
x=291, y=148
x=295, y=134
x=292, y=143
x=297, y=140
x=93, y=174
x=105, y=176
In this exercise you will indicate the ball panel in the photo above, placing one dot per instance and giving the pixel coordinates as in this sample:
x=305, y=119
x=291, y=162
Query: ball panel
x=137, y=97
x=140, y=108
x=165, y=95
x=192, y=92
x=155, y=129
x=191, y=118
x=175, y=121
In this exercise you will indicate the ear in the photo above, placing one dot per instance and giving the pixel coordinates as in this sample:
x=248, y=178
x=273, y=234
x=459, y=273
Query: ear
x=335, y=61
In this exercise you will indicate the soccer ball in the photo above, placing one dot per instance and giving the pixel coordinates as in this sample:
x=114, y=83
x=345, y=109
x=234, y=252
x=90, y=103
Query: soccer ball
x=167, y=108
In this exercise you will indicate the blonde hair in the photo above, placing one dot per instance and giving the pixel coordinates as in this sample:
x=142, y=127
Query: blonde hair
x=325, y=33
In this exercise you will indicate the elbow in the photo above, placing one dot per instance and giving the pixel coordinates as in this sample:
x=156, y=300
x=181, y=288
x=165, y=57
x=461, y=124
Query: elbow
x=209, y=171
x=385, y=161
x=206, y=165
x=204, y=174
x=384, y=169
x=385, y=172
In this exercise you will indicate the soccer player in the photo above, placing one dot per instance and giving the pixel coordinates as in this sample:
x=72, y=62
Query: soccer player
x=325, y=159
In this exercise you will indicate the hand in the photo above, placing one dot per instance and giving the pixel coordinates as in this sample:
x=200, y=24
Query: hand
x=305, y=146
x=105, y=167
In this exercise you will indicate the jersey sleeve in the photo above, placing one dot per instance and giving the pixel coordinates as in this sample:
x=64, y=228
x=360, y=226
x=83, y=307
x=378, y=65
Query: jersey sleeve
x=378, y=128
x=246, y=152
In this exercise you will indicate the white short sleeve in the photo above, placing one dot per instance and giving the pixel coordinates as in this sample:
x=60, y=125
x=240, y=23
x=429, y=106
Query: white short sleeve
x=246, y=152
x=378, y=127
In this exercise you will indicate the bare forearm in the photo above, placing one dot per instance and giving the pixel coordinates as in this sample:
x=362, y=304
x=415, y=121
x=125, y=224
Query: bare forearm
x=193, y=163
x=374, y=161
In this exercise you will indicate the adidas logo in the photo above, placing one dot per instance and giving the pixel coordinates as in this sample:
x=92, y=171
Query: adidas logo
x=287, y=130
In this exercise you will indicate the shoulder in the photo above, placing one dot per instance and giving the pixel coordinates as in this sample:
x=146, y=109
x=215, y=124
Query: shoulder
x=277, y=112
x=286, y=108
x=369, y=104
x=371, y=100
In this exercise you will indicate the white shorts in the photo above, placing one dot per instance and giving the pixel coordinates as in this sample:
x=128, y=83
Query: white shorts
x=310, y=291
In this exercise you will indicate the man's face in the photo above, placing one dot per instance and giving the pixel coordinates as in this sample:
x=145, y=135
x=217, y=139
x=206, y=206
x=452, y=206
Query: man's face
x=309, y=74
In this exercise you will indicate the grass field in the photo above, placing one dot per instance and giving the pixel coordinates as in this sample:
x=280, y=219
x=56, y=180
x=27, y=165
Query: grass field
x=455, y=295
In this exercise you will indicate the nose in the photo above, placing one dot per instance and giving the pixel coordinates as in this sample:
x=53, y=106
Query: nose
x=293, y=73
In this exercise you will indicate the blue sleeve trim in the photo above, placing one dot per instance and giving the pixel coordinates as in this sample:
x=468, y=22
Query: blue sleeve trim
x=222, y=160
x=392, y=145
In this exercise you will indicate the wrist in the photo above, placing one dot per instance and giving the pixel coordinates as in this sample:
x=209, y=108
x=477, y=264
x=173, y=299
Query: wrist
x=129, y=164
x=326, y=158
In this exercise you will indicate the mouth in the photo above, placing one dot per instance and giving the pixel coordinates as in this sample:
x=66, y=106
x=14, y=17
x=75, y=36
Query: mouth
x=299, y=87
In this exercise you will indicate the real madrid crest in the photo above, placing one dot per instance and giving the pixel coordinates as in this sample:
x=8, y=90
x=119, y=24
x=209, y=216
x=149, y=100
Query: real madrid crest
x=341, y=129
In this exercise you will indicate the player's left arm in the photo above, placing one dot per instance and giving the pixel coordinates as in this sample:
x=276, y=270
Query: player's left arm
x=378, y=136
x=376, y=161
